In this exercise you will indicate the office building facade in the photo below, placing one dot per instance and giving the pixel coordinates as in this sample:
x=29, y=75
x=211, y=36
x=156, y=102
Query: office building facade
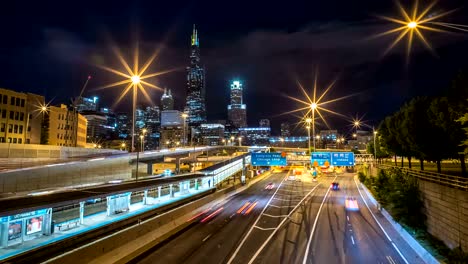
x=237, y=110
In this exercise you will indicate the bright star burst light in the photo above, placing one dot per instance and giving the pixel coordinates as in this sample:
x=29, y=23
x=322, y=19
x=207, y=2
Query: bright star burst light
x=416, y=22
x=316, y=103
x=135, y=76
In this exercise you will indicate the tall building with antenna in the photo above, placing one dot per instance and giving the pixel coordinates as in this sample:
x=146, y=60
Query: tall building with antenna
x=167, y=101
x=195, y=103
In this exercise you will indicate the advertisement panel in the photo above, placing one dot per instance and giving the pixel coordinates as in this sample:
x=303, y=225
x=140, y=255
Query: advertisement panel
x=14, y=230
x=269, y=159
x=34, y=225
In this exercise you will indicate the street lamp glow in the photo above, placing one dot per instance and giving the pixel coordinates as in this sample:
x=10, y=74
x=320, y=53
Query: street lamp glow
x=412, y=24
x=356, y=123
x=313, y=105
x=308, y=127
x=354, y=135
x=123, y=145
x=144, y=130
x=317, y=137
x=308, y=120
x=135, y=79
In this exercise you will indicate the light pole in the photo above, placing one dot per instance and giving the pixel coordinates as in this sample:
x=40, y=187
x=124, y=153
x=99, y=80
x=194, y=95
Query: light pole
x=141, y=142
x=232, y=140
x=313, y=106
x=375, y=149
x=308, y=121
x=184, y=116
x=144, y=130
x=240, y=139
x=135, y=81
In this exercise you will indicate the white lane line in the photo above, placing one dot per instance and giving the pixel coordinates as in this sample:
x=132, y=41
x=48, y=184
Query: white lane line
x=256, y=221
x=288, y=200
x=277, y=216
x=283, y=206
x=279, y=226
x=390, y=260
x=266, y=229
x=232, y=215
x=315, y=225
x=206, y=238
x=378, y=223
x=352, y=239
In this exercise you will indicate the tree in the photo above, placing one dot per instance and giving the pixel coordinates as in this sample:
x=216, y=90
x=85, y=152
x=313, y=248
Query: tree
x=444, y=113
x=464, y=121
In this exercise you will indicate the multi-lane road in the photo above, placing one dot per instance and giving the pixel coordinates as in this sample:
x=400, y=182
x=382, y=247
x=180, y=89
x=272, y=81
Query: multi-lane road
x=286, y=221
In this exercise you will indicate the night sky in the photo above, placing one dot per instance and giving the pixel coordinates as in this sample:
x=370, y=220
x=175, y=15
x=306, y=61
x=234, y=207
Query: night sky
x=50, y=47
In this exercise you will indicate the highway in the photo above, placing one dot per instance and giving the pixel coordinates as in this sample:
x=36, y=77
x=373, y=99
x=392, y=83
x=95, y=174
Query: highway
x=212, y=241
x=296, y=222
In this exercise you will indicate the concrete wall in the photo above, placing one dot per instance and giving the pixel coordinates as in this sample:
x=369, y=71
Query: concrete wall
x=54, y=176
x=46, y=151
x=447, y=213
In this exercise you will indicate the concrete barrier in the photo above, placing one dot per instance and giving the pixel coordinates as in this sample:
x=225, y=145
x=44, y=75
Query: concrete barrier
x=127, y=244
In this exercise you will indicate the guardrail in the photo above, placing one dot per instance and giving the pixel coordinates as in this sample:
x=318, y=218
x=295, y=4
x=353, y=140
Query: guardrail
x=443, y=179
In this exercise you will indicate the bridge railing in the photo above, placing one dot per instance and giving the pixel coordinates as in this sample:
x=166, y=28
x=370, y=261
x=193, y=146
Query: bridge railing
x=443, y=179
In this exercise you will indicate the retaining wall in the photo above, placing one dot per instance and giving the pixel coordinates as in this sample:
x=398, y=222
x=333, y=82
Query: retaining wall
x=446, y=209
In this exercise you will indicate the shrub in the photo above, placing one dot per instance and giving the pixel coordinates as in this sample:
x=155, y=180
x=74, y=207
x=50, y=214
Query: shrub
x=361, y=177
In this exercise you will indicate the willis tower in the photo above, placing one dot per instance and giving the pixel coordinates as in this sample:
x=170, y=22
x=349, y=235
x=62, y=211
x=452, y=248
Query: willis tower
x=195, y=104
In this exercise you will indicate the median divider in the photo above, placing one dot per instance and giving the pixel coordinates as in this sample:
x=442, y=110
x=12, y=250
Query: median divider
x=127, y=244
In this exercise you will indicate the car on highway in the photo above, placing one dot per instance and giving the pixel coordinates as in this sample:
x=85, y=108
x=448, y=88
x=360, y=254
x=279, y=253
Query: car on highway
x=351, y=204
x=334, y=186
x=270, y=186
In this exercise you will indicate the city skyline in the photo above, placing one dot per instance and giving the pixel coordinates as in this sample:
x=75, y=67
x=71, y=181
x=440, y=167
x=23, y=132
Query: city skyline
x=235, y=53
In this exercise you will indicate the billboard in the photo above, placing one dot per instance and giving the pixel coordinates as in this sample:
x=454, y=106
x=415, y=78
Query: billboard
x=34, y=225
x=14, y=230
x=269, y=159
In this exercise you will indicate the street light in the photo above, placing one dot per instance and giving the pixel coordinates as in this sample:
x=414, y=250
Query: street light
x=232, y=139
x=354, y=135
x=141, y=142
x=282, y=142
x=224, y=141
x=184, y=116
x=123, y=145
x=240, y=139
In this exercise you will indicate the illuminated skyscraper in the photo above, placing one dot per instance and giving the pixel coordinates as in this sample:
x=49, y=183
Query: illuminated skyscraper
x=195, y=104
x=237, y=111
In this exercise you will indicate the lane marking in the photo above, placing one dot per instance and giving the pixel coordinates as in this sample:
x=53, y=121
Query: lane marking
x=378, y=223
x=285, y=200
x=352, y=239
x=250, y=208
x=280, y=225
x=315, y=225
x=266, y=229
x=283, y=206
x=255, y=223
x=206, y=238
x=390, y=259
x=232, y=215
x=275, y=215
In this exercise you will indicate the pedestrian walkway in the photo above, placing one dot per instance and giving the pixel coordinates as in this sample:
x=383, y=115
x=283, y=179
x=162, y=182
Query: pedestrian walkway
x=93, y=222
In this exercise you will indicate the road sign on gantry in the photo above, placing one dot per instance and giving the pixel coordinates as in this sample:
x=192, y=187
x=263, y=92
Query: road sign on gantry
x=342, y=158
x=320, y=159
x=269, y=159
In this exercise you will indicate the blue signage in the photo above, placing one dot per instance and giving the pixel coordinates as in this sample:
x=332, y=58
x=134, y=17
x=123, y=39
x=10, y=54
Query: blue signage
x=321, y=158
x=332, y=158
x=342, y=158
x=269, y=159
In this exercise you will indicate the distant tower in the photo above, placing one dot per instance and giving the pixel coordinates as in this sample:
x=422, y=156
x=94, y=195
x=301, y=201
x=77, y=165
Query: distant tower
x=195, y=103
x=285, y=129
x=167, y=102
x=237, y=111
x=264, y=123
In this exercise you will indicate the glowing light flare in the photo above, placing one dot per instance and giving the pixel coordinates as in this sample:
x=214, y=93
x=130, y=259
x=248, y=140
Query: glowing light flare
x=133, y=75
x=135, y=79
x=312, y=104
x=415, y=22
